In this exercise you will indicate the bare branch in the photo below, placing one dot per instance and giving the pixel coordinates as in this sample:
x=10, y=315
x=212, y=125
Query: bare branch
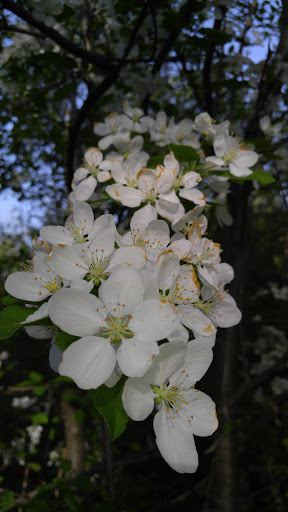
x=63, y=42
x=21, y=31
x=95, y=94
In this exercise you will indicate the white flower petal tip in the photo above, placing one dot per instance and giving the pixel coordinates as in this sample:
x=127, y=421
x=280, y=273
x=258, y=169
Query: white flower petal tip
x=89, y=362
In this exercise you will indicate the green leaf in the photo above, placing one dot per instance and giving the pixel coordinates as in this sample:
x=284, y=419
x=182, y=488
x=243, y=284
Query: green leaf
x=35, y=377
x=8, y=299
x=7, y=499
x=63, y=340
x=154, y=161
x=265, y=178
x=40, y=418
x=35, y=466
x=10, y=319
x=108, y=402
x=184, y=153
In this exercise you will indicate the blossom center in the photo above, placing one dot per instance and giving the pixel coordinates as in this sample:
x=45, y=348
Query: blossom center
x=52, y=286
x=116, y=328
x=97, y=268
x=171, y=396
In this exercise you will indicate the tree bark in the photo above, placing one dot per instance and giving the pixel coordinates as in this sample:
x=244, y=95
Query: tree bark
x=74, y=438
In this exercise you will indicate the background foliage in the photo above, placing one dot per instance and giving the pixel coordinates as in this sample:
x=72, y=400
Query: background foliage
x=64, y=66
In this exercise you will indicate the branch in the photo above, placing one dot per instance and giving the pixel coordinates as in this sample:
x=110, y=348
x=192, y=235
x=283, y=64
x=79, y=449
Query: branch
x=8, y=28
x=189, y=78
x=282, y=49
x=187, y=10
x=206, y=74
x=95, y=93
x=63, y=42
x=74, y=437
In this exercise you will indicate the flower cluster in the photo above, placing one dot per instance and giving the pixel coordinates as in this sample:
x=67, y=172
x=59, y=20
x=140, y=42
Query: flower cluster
x=144, y=304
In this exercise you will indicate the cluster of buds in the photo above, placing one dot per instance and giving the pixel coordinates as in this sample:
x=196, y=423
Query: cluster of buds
x=145, y=304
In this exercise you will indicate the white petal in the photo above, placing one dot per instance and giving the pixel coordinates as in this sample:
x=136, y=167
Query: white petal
x=204, y=418
x=114, y=377
x=143, y=216
x=198, y=357
x=55, y=357
x=191, y=179
x=85, y=189
x=134, y=356
x=124, y=287
x=157, y=236
x=138, y=399
x=167, y=269
x=131, y=256
x=181, y=247
x=67, y=262
x=225, y=314
x=179, y=335
x=93, y=157
x=169, y=361
x=76, y=312
x=194, y=195
x=126, y=195
x=103, y=222
x=81, y=173
x=42, y=312
x=215, y=160
x=103, y=176
x=188, y=218
x=175, y=443
x=196, y=320
x=88, y=361
x=106, y=141
x=23, y=285
x=56, y=235
x=246, y=158
x=42, y=332
x=103, y=244
x=83, y=216
x=154, y=320
x=240, y=172
x=169, y=206
x=80, y=284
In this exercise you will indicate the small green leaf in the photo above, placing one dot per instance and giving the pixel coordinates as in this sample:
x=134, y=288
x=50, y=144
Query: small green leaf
x=184, y=153
x=63, y=340
x=154, y=161
x=8, y=300
x=36, y=377
x=40, y=418
x=39, y=391
x=10, y=319
x=108, y=402
x=35, y=466
x=265, y=178
x=7, y=499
